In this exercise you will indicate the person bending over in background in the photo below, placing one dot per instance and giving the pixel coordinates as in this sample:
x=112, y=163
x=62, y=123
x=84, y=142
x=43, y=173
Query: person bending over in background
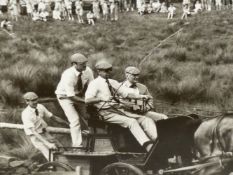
x=35, y=126
x=70, y=91
x=7, y=25
x=137, y=105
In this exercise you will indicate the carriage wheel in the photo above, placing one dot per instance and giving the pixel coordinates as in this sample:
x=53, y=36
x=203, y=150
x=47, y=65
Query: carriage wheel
x=54, y=166
x=120, y=168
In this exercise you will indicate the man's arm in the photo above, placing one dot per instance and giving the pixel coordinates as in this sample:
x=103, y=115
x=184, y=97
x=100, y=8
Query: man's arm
x=59, y=120
x=92, y=100
x=48, y=144
x=150, y=104
x=77, y=99
x=137, y=96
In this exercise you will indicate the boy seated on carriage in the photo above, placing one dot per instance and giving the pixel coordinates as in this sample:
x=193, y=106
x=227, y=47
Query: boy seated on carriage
x=35, y=126
x=102, y=93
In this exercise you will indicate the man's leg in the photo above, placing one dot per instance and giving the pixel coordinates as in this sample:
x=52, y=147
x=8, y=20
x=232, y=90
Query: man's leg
x=126, y=122
x=146, y=123
x=73, y=118
x=40, y=146
x=83, y=115
x=155, y=116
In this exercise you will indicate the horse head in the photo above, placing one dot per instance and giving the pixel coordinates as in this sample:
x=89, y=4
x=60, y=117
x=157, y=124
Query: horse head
x=213, y=139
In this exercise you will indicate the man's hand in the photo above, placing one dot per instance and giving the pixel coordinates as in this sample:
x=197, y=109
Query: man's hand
x=52, y=146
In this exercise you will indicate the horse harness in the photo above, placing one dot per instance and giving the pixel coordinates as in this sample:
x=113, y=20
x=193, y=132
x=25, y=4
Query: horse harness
x=216, y=136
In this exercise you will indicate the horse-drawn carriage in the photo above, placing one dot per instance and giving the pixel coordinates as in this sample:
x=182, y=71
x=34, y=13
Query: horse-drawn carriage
x=112, y=150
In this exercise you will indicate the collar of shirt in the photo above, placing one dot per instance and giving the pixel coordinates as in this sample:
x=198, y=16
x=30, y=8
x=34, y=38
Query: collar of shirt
x=31, y=109
x=75, y=71
x=101, y=78
x=128, y=84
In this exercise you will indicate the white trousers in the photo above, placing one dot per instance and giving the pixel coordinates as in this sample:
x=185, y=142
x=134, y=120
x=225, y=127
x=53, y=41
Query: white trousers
x=155, y=116
x=73, y=118
x=143, y=128
x=41, y=146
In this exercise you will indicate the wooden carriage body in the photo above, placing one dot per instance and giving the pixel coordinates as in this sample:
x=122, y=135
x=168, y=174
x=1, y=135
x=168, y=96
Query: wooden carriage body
x=104, y=155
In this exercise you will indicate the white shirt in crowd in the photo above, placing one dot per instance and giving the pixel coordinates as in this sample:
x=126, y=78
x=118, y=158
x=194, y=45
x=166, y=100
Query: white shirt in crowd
x=41, y=6
x=186, y=2
x=69, y=78
x=90, y=15
x=3, y=2
x=31, y=120
x=171, y=9
x=57, y=14
x=198, y=7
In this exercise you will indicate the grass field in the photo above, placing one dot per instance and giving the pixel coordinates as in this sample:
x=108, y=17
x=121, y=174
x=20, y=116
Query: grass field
x=193, y=68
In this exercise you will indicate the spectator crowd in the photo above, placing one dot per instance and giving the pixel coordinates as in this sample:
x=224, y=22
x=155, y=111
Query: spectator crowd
x=94, y=10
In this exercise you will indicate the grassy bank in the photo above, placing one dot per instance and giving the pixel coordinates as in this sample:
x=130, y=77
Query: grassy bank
x=194, y=66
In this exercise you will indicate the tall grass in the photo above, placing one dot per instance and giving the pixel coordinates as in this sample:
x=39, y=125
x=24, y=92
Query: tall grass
x=34, y=62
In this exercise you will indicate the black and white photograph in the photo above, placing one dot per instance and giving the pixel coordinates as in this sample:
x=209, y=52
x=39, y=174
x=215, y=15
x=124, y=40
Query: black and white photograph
x=116, y=87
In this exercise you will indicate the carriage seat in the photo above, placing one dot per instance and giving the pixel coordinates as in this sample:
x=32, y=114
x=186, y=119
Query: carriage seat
x=95, y=121
x=121, y=138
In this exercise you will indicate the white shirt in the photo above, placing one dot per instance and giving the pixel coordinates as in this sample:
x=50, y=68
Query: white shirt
x=90, y=15
x=56, y=14
x=3, y=2
x=171, y=9
x=186, y=2
x=128, y=84
x=31, y=120
x=69, y=78
x=41, y=6
x=98, y=88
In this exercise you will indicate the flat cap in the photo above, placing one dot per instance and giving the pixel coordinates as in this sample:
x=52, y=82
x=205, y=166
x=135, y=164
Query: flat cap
x=132, y=70
x=30, y=96
x=103, y=65
x=78, y=58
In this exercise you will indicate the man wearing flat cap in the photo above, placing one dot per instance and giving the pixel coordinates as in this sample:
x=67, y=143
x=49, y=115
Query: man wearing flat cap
x=139, y=106
x=35, y=126
x=103, y=93
x=70, y=91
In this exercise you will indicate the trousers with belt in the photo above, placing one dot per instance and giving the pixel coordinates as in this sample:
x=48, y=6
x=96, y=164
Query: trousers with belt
x=142, y=128
x=73, y=118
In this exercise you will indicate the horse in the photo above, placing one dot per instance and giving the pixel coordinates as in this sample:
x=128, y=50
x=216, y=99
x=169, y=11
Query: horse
x=213, y=140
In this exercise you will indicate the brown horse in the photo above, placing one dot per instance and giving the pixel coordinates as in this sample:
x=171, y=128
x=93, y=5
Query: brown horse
x=213, y=139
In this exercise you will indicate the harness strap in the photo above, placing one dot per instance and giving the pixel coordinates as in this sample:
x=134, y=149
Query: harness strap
x=216, y=136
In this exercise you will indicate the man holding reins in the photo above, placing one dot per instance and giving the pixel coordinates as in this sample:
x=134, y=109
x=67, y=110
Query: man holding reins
x=102, y=93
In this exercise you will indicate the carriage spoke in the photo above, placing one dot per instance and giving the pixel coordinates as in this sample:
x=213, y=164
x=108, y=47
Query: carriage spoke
x=116, y=171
